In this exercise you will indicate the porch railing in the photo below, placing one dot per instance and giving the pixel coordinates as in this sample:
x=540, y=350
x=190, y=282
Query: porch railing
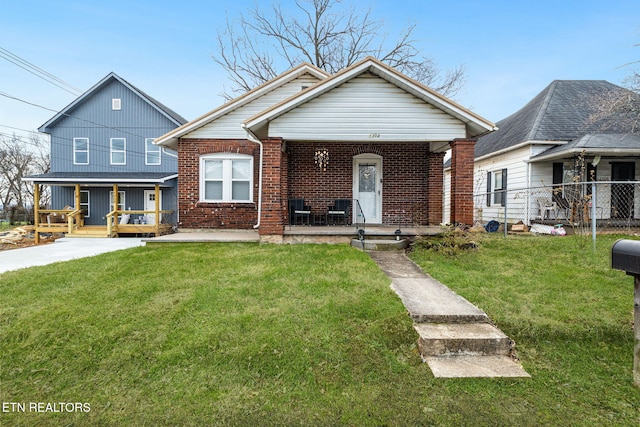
x=75, y=218
x=140, y=223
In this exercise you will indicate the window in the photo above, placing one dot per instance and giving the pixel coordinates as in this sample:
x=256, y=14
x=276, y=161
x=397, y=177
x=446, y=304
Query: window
x=151, y=152
x=226, y=178
x=121, y=201
x=116, y=104
x=496, y=187
x=118, y=151
x=80, y=151
x=85, y=203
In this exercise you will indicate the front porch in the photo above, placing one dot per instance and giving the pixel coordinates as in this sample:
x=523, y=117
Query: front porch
x=118, y=222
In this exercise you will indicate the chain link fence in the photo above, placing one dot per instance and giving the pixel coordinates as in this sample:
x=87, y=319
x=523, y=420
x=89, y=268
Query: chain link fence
x=576, y=208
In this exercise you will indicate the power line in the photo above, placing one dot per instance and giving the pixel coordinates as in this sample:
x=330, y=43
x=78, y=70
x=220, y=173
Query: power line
x=38, y=72
x=6, y=95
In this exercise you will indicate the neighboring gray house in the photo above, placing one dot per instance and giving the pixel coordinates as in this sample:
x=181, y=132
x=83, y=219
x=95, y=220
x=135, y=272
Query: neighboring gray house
x=104, y=161
x=549, y=145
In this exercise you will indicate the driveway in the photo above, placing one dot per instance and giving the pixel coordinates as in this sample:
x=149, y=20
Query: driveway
x=62, y=250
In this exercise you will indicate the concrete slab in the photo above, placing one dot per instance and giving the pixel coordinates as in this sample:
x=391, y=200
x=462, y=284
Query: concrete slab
x=475, y=367
x=397, y=265
x=428, y=300
x=207, y=236
x=64, y=249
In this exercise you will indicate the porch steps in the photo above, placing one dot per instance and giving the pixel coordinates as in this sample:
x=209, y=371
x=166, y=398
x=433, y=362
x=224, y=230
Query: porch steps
x=456, y=338
x=89, y=232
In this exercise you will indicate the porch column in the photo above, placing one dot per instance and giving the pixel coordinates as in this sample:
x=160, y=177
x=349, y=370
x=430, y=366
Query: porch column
x=462, y=181
x=115, y=204
x=271, y=219
x=435, y=169
x=157, y=208
x=36, y=212
x=77, y=198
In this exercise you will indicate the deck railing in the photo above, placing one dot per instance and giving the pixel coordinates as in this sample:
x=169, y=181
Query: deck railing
x=146, y=222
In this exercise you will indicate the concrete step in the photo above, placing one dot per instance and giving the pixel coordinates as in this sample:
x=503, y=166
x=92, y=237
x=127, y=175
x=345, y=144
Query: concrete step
x=380, y=244
x=475, y=367
x=442, y=339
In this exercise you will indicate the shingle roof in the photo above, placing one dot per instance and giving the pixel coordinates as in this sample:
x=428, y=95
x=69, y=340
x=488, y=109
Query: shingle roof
x=560, y=112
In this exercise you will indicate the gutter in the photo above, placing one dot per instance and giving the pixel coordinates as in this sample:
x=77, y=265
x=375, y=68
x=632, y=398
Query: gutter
x=253, y=138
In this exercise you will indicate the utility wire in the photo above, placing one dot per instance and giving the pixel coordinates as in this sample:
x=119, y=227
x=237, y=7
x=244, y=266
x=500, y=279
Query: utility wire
x=38, y=72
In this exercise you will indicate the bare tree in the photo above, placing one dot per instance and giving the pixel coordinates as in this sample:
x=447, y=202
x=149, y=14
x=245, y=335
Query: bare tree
x=253, y=48
x=619, y=110
x=20, y=157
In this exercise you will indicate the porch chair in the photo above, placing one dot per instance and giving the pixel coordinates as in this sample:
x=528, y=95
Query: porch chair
x=562, y=206
x=339, y=212
x=298, y=212
x=546, y=207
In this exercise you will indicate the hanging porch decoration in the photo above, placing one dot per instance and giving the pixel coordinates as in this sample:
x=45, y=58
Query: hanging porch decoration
x=321, y=158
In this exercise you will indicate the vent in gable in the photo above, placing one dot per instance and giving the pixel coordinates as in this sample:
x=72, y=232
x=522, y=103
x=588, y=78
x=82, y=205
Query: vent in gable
x=116, y=104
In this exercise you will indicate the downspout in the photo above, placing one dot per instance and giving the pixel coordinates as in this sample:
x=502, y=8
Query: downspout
x=253, y=138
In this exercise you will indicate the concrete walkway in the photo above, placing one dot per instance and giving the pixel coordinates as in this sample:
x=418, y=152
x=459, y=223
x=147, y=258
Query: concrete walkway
x=457, y=339
x=64, y=249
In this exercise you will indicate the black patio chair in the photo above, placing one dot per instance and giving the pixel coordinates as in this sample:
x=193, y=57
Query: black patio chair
x=298, y=212
x=339, y=213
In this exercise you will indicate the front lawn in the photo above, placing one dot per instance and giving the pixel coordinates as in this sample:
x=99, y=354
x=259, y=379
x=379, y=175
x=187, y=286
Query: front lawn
x=248, y=334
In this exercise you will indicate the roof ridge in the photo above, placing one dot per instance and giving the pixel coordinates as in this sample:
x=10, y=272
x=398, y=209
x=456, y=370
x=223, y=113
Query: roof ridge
x=542, y=110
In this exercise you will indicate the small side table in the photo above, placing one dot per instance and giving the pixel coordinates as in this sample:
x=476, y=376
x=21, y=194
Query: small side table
x=319, y=218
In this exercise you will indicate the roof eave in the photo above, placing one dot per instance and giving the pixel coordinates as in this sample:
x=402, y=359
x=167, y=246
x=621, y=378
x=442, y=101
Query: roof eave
x=170, y=139
x=475, y=124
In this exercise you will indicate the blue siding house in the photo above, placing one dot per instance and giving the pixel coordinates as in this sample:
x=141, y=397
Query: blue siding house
x=107, y=176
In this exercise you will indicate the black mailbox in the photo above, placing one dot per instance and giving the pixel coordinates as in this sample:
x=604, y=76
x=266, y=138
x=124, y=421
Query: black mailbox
x=625, y=255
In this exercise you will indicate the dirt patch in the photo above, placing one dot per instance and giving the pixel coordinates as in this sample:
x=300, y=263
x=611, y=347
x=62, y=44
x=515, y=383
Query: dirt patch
x=21, y=237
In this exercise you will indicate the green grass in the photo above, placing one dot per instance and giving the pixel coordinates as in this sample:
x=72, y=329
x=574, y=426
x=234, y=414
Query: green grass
x=248, y=334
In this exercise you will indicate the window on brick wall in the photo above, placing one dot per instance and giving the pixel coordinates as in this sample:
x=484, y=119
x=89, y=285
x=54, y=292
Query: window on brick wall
x=226, y=177
x=496, y=187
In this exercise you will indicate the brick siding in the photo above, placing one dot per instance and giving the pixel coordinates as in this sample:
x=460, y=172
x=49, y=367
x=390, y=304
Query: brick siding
x=196, y=214
x=462, y=181
x=412, y=182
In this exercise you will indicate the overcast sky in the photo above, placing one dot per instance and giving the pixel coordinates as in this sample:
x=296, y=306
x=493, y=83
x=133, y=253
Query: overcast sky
x=510, y=50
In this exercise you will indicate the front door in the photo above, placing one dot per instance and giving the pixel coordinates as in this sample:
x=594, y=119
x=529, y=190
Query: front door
x=150, y=205
x=367, y=187
x=622, y=194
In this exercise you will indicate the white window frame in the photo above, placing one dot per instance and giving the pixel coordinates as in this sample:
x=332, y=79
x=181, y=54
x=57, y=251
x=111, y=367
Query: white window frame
x=227, y=178
x=116, y=104
x=123, y=152
x=86, y=205
x=496, y=195
x=148, y=142
x=121, y=200
x=76, y=151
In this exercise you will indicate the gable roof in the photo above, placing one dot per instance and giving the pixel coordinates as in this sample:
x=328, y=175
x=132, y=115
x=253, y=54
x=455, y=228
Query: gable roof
x=475, y=124
x=170, y=139
x=66, y=111
x=557, y=115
